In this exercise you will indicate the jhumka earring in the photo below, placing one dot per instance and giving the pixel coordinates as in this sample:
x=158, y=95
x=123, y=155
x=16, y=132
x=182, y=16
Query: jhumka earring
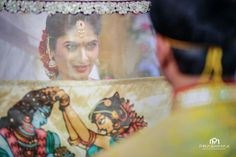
x=47, y=58
x=51, y=71
x=51, y=63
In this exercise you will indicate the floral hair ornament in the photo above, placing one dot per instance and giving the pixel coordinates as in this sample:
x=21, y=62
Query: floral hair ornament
x=47, y=57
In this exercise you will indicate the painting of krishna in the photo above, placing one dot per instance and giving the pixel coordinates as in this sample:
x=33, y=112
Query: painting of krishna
x=63, y=119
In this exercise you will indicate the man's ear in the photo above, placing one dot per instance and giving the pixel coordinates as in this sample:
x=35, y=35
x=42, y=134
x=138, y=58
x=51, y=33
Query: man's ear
x=163, y=53
x=166, y=59
x=169, y=65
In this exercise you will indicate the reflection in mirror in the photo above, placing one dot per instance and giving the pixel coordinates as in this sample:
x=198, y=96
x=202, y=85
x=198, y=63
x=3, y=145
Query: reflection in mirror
x=69, y=47
x=76, y=47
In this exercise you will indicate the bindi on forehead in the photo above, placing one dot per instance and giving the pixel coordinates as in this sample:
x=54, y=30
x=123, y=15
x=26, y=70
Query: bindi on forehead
x=74, y=35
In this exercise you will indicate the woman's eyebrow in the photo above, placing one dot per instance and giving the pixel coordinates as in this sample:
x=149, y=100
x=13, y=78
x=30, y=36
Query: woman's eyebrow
x=70, y=42
x=78, y=43
x=94, y=40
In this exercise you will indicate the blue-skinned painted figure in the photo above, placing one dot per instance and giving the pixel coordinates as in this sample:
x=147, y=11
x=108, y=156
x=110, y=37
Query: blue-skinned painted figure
x=21, y=134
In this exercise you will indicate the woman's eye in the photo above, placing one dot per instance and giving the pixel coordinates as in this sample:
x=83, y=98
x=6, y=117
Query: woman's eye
x=91, y=45
x=101, y=122
x=71, y=47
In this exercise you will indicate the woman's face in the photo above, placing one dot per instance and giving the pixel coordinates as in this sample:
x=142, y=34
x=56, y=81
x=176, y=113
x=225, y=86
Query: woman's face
x=76, y=52
x=104, y=124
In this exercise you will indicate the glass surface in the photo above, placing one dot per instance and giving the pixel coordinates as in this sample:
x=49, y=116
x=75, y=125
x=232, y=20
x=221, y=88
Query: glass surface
x=95, y=47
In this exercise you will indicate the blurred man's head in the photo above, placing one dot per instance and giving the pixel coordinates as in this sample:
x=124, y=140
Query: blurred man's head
x=186, y=29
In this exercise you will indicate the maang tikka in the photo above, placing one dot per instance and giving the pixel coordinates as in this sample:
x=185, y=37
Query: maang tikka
x=80, y=27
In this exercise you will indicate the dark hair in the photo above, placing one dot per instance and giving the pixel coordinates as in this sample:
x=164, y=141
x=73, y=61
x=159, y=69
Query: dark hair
x=58, y=24
x=27, y=106
x=115, y=105
x=208, y=22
